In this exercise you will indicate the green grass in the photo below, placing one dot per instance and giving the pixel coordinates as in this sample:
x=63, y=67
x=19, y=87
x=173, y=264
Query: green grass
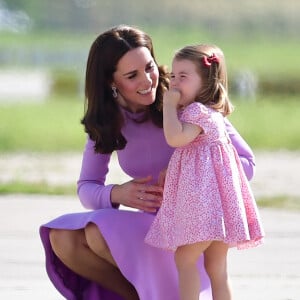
x=268, y=123
x=280, y=202
x=265, y=56
x=19, y=187
x=48, y=127
x=258, y=52
x=51, y=40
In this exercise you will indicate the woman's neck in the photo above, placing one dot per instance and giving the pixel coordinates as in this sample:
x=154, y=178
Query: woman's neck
x=132, y=108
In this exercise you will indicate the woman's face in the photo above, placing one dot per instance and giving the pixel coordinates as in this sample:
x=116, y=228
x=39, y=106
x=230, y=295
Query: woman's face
x=136, y=79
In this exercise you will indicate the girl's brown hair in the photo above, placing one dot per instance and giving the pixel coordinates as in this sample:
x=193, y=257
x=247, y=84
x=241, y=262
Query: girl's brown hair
x=103, y=119
x=210, y=64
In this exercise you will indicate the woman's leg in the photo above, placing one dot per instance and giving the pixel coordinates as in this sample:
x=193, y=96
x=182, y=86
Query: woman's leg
x=186, y=258
x=215, y=261
x=73, y=250
x=97, y=243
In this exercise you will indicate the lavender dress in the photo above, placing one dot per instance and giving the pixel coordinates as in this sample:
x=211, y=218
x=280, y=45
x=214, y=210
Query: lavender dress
x=151, y=270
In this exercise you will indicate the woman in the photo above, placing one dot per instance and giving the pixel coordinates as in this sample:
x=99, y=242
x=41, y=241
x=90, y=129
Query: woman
x=101, y=254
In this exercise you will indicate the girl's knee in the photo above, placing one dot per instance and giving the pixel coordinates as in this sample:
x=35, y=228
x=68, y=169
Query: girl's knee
x=215, y=269
x=215, y=260
x=189, y=254
x=185, y=257
x=179, y=258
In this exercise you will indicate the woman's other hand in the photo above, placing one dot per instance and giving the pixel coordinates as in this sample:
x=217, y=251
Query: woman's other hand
x=162, y=177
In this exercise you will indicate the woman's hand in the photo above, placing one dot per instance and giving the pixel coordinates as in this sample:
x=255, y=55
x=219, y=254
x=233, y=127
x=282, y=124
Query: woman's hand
x=162, y=177
x=139, y=194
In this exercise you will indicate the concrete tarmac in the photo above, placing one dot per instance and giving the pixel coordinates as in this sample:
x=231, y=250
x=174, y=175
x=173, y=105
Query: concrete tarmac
x=268, y=272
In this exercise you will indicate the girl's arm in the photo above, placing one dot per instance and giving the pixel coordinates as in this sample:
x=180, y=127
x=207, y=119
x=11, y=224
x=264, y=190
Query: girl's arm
x=177, y=133
x=243, y=149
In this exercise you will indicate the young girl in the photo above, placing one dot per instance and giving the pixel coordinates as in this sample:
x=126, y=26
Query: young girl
x=208, y=205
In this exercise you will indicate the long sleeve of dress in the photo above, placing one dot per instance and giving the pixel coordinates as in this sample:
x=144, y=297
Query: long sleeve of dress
x=139, y=161
x=91, y=188
x=243, y=149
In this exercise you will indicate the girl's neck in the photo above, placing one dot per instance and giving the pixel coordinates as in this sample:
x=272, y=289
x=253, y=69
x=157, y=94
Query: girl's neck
x=183, y=106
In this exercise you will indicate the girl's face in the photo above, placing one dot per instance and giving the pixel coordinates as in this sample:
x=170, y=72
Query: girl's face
x=136, y=79
x=185, y=79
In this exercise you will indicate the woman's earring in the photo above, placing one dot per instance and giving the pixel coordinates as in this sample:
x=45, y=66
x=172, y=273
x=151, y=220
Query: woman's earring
x=114, y=92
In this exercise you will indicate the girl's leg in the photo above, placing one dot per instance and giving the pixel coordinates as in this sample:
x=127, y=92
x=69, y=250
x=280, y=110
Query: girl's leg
x=215, y=260
x=73, y=250
x=186, y=258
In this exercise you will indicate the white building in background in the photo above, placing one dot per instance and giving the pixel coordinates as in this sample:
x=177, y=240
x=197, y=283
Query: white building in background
x=24, y=86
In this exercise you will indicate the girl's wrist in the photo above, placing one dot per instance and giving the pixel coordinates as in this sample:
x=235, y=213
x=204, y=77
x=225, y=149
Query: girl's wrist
x=170, y=105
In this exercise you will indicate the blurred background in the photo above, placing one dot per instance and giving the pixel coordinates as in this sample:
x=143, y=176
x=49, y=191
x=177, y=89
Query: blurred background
x=43, y=52
x=44, y=47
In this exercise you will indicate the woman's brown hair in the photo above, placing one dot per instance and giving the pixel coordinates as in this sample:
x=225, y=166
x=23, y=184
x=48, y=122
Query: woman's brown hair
x=103, y=119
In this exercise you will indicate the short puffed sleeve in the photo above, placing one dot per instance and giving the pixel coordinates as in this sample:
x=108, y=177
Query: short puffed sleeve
x=198, y=114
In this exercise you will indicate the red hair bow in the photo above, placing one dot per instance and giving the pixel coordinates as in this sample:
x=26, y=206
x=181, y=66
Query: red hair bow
x=210, y=59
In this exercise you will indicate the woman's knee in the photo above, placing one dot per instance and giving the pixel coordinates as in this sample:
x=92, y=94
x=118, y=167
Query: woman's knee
x=64, y=242
x=95, y=240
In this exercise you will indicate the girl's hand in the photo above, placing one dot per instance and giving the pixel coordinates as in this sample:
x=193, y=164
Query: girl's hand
x=171, y=97
x=139, y=194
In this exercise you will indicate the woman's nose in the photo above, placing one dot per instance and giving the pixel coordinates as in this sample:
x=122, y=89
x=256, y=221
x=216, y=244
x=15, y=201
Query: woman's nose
x=147, y=78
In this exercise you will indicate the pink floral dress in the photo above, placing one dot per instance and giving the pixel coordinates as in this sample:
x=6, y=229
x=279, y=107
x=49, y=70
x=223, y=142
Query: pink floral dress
x=207, y=196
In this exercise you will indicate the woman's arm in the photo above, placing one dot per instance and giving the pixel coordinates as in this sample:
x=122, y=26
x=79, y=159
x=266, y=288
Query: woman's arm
x=94, y=194
x=91, y=190
x=243, y=149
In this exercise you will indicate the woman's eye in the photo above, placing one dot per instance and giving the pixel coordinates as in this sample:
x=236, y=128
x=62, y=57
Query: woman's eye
x=131, y=76
x=150, y=67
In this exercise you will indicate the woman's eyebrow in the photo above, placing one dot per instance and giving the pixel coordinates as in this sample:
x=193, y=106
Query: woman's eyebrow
x=129, y=73
x=134, y=71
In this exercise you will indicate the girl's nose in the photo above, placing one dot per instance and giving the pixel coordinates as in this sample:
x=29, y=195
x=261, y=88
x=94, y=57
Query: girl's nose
x=173, y=82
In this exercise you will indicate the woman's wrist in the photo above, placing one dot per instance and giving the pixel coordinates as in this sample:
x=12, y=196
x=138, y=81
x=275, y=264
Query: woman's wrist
x=114, y=196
